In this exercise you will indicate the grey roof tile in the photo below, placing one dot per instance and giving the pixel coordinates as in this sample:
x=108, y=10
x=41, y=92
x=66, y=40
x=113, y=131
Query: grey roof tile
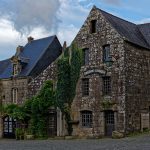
x=128, y=30
x=32, y=55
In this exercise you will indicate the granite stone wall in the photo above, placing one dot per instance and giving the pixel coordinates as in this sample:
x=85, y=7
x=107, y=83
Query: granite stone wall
x=95, y=71
x=20, y=84
x=35, y=84
x=137, y=60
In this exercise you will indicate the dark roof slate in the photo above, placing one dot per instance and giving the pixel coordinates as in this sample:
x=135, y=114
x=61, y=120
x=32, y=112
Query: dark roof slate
x=33, y=54
x=145, y=30
x=5, y=67
x=128, y=30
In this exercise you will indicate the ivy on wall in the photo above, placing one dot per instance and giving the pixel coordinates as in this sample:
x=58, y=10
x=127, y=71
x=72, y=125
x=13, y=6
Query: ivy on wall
x=34, y=111
x=69, y=66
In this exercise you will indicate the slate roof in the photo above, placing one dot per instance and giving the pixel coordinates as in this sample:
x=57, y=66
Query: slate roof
x=136, y=34
x=36, y=56
x=3, y=65
x=145, y=30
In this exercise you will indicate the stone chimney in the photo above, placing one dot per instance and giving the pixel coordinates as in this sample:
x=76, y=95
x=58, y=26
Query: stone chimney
x=64, y=46
x=19, y=49
x=30, y=39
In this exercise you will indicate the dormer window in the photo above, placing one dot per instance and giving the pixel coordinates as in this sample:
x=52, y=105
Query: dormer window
x=93, y=26
x=15, y=69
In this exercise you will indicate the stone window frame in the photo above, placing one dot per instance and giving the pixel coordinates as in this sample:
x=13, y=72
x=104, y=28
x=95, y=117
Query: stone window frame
x=107, y=85
x=85, y=56
x=93, y=26
x=85, y=87
x=86, y=118
x=14, y=95
x=15, y=69
x=107, y=53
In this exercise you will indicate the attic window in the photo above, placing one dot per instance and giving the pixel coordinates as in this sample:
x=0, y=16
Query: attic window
x=93, y=26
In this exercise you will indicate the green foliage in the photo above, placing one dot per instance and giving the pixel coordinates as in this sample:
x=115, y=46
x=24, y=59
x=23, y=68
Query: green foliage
x=63, y=84
x=15, y=111
x=76, y=62
x=69, y=66
x=107, y=104
x=19, y=133
x=35, y=110
x=40, y=108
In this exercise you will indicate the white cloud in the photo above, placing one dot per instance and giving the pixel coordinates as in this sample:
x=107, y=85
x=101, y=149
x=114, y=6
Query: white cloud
x=145, y=20
x=28, y=14
x=71, y=12
x=67, y=33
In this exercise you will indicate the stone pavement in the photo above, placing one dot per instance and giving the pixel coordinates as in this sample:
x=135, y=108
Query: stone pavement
x=131, y=143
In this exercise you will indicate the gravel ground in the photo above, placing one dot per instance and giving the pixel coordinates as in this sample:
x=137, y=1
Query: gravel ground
x=132, y=143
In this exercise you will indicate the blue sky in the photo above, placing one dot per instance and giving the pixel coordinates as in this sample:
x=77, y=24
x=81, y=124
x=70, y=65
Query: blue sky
x=22, y=18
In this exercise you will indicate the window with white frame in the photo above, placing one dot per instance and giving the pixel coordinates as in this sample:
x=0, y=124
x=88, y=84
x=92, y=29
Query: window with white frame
x=14, y=95
x=86, y=119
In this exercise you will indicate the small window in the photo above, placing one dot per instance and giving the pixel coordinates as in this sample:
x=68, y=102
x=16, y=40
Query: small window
x=14, y=95
x=106, y=85
x=106, y=53
x=93, y=26
x=86, y=56
x=86, y=118
x=85, y=87
x=15, y=69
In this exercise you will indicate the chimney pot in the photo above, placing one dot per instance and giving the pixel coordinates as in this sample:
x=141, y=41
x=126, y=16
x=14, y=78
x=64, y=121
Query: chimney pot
x=64, y=45
x=19, y=49
x=30, y=39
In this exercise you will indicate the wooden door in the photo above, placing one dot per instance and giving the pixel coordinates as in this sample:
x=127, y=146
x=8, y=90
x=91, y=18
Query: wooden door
x=52, y=124
x=109, y=123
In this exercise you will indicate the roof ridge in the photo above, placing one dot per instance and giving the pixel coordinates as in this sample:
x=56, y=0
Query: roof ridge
x=116, y=16
x=44, y=38
x=125, y=28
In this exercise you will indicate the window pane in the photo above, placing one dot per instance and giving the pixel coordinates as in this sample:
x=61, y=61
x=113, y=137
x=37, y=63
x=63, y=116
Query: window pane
x=85, y=87
x=106, y=85
x=106, y=53
x=86, y=118
x=86, y=56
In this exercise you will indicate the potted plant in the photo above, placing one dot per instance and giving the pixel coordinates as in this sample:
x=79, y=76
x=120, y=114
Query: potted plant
x=19, y=134
x=29, y=135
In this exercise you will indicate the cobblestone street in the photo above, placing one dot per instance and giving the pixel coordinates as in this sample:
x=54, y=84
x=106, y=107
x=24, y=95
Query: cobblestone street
x=132, y=143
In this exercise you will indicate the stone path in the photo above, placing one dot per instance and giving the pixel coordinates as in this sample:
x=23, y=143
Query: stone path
x=132, y=143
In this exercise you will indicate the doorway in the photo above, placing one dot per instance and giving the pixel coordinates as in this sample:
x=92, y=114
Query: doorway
x=9, y=126
x=109, y=122
x=52, y=123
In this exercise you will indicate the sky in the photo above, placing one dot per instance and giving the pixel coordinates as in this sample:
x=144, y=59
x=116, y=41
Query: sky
x=20, y=19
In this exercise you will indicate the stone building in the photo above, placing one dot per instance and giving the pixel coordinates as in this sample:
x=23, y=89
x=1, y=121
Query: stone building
x=22, y=76
x=113, y=92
